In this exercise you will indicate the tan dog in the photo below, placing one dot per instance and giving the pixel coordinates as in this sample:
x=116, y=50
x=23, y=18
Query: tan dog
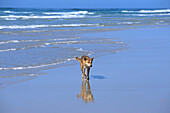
x=85, y=63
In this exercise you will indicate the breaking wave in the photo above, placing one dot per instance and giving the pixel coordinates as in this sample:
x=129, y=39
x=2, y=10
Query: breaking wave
x=148, y=11
x=36, y=66
x=46, y=26
x=68, y=13
x=155, y=11
x=42, y=17
x=16, y=12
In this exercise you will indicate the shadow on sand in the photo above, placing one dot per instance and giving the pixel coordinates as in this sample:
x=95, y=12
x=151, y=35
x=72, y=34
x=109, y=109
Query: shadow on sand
x=97, y=77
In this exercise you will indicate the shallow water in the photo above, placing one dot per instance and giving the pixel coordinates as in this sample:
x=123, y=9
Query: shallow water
x=32, y=40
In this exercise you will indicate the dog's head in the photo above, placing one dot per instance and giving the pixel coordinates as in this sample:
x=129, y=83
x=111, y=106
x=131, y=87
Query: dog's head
x=88, y=61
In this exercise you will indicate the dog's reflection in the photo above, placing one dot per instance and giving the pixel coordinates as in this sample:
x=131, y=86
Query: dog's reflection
x=86, y=93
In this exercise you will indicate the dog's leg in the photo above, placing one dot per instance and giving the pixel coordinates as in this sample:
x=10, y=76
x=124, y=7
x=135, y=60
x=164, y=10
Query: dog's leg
x=82, y=71
x=88, y=70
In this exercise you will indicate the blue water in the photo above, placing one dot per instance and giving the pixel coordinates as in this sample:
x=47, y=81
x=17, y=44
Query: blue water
x=32, y=40
x=11, y=18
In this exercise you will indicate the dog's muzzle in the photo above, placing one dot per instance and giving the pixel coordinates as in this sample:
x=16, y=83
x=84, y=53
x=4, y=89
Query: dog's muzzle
x=87, y=65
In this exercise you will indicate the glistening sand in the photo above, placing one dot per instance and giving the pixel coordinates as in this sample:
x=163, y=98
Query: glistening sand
x=132, y=81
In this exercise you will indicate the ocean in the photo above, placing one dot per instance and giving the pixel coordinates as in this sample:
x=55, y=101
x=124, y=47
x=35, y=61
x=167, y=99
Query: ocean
x=32, y=40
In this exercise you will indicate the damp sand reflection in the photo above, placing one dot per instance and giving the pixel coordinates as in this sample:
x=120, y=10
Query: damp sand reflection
x=86, y=93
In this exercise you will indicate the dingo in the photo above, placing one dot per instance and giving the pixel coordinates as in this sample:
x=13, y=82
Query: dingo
x=85, y=63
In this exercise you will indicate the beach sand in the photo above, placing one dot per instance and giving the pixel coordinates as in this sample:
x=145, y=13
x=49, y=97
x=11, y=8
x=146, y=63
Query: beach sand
x=132, y=81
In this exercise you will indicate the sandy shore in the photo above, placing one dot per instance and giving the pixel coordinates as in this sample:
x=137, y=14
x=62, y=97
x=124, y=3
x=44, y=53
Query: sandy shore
x=132, y=81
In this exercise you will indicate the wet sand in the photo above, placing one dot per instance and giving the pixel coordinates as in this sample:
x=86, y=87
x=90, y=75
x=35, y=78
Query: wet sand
x=132, y=81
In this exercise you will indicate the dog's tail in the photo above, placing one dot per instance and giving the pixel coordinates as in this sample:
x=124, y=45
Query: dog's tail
x=77, y=58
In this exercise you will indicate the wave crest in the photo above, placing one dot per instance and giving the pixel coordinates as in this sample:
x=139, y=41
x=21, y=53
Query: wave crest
x=68, y=13
x=16, y=12
x=45, y=26
x=42, y=17
x=147, y=11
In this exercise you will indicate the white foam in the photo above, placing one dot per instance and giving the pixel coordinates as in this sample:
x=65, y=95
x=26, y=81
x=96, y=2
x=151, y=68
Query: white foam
x=16, y=12
x=62, y=42
x=12, y=49
x=20, y=41
x=42, y=17
x=10, y=18
x=4, y=50
x=45, y=26
x=154, y=11
x=6, y=11
x=125, y=11
x=42, y=45
x=68, y=13
x=47, y=44
x=148, y=11
x=37, y=66
x=167, y=14
x=10, y=41
x=80, y=49
x=125, y=23
x=70, y=42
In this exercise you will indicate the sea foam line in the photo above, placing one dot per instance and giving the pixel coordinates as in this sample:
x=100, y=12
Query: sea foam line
x=41, y=40
x=151, y=14
x=43, y=17
x=12, y=49
x=44, y=26
x=41, y=45
x=165, y=14
x=154, y=11
x=16, y=12
x=68, y=13
x=10, y=41
x=38, y=66
x=10, y=18
x=148, y=11
x=45, y=65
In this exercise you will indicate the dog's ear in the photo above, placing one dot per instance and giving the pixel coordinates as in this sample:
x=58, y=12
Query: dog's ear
x=92, y=58
x=78, y=59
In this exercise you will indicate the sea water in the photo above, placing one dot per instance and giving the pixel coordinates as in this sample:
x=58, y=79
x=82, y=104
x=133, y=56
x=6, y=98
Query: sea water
x=32, y=40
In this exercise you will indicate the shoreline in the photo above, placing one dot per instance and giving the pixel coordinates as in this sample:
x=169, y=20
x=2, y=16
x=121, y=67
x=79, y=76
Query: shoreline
x=132, y=81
